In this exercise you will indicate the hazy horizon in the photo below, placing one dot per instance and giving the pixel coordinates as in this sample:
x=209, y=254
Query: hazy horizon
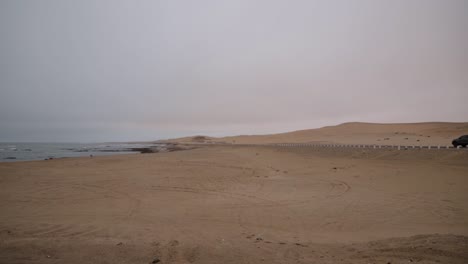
x=108, y=71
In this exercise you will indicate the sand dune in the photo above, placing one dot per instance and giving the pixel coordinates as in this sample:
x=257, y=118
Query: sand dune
x=237, y=204
x=434, y=133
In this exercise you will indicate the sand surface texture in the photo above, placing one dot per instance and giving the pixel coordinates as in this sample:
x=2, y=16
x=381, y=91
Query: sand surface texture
x=239, y=204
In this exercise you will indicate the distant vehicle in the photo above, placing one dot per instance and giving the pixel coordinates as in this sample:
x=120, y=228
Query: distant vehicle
x=461, y=141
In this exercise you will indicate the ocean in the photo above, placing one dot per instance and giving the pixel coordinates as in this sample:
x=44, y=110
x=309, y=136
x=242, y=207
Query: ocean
x=41, y=151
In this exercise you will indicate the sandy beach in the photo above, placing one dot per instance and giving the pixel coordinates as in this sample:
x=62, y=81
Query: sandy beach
x=234, y=132
x=238, y=204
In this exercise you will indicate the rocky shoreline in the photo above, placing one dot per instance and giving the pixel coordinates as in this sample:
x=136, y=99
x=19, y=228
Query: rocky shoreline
x=169, y=147
x=46, y=152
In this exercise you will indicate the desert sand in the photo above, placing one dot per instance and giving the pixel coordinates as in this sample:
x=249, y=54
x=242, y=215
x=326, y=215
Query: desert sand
x=417, y=134
x=241, y=204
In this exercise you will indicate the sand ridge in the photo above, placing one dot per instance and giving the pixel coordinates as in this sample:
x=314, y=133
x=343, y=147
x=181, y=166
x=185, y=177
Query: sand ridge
x=430, y=133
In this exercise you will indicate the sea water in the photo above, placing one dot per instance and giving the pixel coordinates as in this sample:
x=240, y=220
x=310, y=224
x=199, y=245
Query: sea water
x=41, y=151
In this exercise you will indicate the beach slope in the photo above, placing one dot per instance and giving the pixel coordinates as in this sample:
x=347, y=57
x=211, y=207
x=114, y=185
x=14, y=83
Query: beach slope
x=238, y=204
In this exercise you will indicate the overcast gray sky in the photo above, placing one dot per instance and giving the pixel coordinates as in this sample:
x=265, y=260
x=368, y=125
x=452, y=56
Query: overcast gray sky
x=142, y=70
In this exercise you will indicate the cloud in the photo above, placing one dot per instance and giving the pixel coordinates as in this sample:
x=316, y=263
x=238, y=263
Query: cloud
x=119, y=70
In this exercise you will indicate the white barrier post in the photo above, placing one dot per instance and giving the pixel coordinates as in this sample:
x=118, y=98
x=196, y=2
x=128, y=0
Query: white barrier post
x=398, y=147
x=438, y=146
x=429, y=147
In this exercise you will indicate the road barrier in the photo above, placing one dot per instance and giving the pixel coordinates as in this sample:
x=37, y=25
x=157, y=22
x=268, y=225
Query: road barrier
x=360, y=146
x=371, y=146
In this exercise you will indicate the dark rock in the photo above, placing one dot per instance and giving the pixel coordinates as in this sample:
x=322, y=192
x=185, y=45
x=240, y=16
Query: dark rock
x=10, y=158
x=143, y=150
x=156, y=260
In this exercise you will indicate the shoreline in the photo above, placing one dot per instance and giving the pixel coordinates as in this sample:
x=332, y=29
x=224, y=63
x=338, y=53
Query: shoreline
x=44, y=151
